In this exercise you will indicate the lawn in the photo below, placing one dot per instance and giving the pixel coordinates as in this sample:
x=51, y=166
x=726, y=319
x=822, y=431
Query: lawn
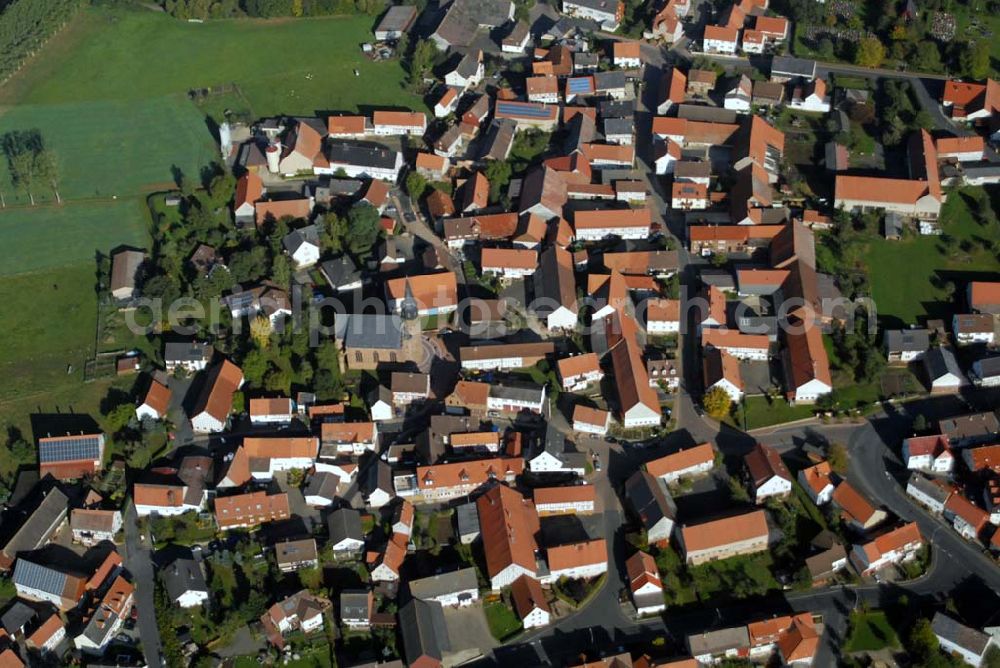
x=870, y=631
x=759, y=411
x=501, y=619
x=908, y=277
x=73, y=234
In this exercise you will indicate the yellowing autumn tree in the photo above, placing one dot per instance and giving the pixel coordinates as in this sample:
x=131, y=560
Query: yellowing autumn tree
x=870, y=52
x=717, y=403
x=260, y=331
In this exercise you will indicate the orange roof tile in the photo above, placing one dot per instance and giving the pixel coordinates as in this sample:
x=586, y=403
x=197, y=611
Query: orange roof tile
x=716, y=533
x=249, y=189
x=527, y=595
x=590, y=416
x=346, y=125
x=158, y=397
x=681, y=460
x=513, y=258
x=576, y=555
x=508, y=524
x=567, y=494
x=852, y=503
x=578, y=364
x=284, y=447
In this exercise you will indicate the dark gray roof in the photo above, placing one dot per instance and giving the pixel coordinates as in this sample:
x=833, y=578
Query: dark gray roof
x=517, y=34
x=354, y=604
x=334, y=187
x=940, y=362
x=499, y=139
x=340, y=271
x=610, y=80
x=697, y=112
x=516, y=391
x=294, y=240
x=17, y=617
x=36, y=576
x=972, y=426
x=693, y=169
x=345, y=523
x=398, y=19
x=468, y=65
x=187, y=351
x=360, y=154
x=295, y=551
x=183, y=575
x=714, y=642
x=444, y=583
x=980, y=170
x=649, y=499
x=988, y=367
x=40, y=523
x=467, y=517
x=967, y=638
x=928, y=487
x=424, y=631
x=370, y=331
x=615, y=108
x=464, y=17
x=322, y=484
x=618, y=126
x=608, y=6
x=821, y=564
x=797, y=67
x=907, y=340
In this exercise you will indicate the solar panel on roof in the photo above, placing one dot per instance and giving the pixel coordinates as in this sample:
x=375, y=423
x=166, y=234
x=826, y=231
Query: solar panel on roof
x=35, y=576
x=527, y=111
x=69, y=450
x=579, y=85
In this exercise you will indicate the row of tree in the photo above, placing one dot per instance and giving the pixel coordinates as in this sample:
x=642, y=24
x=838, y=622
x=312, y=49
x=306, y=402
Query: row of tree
x=30, y=162
x=25, y=25
x=226, y=9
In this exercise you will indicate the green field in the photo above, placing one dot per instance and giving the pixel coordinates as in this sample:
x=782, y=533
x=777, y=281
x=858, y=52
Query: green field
x=109, y=96
x=870, y=631
x=50, y=237
x=908, y=276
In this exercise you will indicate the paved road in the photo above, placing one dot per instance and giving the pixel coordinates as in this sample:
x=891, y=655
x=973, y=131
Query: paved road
x=139, y=561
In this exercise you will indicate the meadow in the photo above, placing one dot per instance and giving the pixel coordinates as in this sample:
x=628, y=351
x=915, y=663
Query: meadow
x=110, y=97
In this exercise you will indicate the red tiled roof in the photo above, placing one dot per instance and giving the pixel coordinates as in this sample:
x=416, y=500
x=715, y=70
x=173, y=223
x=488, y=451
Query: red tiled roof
x=681, y=460
x=508, y=525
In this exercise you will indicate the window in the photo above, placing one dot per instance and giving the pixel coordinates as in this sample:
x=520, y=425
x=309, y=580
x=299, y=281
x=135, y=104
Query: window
x=392, y=357
x=357, y=356
x=375, y=357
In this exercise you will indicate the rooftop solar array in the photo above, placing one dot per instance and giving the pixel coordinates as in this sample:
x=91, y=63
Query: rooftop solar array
x=580, y=85
x=35, y=576
x=525, y=110
x=69, y=449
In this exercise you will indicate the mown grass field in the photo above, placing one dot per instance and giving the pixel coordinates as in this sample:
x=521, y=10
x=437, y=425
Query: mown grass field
x=49, y=237
x=906, y=275
x=110, y=98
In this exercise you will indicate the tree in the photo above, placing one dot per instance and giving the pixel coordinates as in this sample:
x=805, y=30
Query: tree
x=920, y=423
x=260, y=331
x=281, y=271
x=836, y=455
x=424, y=55
x=416, y=184
x=498, y=173
x=870, y=52
x=975, y=60
x=717, y=403
x=363, y=229
x=927, y=57
x=249, y=266
x=119, y=417
x=334, y=229
x=46, y=168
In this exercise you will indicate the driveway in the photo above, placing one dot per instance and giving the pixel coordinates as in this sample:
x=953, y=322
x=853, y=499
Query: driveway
x=139, y=562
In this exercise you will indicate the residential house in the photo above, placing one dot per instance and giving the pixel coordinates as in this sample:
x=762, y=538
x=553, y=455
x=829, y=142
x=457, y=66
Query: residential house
x=45, y=519
x=469, y=71
x=690, y=462
x=105, y=623
x=303, y=246
x=652, y=503
x=349, y=438
x=155, y=403
x=626, y=54
x=720, y=39
x=583, y=560
x=811, y=97
x=504, y=356
x=722, y=370
x=295, y=555
x=387, y=564
x=709, y=647
x=972, y=429
x=596, y=225
x=36, y=582
x=91, y=527
x=271, y=411
x=508, y=525
x=424, y=633
x=906, y=345
x=301, y=611
x=855, y=510
x=443, y=482
x=735, y=343
x=817, y=482
x=321, y=490
x=184, y=582
x=645, y=584
x=44, y=640
x=71, y=456
x=579, y=371
x=555, y=290
x=125, y=265
x=608, y=13
x=768, y=475
x=982, y=458
x=747, y=533
x=529, y=602
x=928, y=453
x=356, y=608
x=566, y=500
x=967, y=519
x=931, y=493
x=362, y=160
x=986, y=372
x=346, y=536
x=188, y=355
x=589, y=420
x=424, y=295
x=971, y=328
x=893, y=547
x=211, y=412
x=456, y=589
x=943, y=371
x=250, y=510
x=958, y=639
